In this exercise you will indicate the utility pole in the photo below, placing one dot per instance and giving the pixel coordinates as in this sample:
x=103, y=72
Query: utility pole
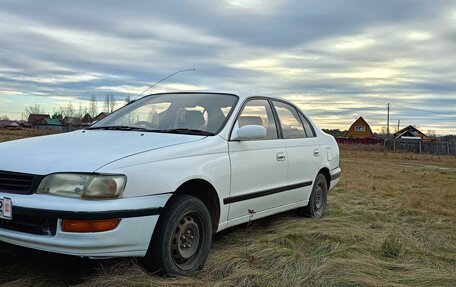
x=398, y=124
x=388, y=121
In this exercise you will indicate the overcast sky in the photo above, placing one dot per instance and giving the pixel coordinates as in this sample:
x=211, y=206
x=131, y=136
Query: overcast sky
x=336, y=59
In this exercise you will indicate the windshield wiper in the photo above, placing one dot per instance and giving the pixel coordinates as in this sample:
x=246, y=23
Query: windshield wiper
x=120, y=128
x=171, y=131
x=186, y=131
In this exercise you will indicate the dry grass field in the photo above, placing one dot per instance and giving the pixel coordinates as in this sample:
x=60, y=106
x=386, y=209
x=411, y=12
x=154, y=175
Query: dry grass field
x=8, y=135
x=390, y=222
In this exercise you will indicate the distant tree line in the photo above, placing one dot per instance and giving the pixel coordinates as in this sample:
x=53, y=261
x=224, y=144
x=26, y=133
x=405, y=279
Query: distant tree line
x=337, y=133
x=110, y=104
x=448, y=138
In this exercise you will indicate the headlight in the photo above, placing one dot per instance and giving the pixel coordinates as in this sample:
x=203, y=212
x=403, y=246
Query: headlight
x=83, y=185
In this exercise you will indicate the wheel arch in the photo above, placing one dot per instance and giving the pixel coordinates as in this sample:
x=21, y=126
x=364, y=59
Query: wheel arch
x=327, y=174
x=204, y=191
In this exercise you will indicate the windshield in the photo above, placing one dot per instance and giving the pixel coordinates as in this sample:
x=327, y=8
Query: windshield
x=175, y=112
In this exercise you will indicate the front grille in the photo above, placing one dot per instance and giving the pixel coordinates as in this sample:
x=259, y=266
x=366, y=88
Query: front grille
x=21, y=183
x=30, y=224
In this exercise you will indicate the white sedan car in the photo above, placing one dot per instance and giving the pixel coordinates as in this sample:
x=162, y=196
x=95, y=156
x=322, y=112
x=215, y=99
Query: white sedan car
x=158, y=177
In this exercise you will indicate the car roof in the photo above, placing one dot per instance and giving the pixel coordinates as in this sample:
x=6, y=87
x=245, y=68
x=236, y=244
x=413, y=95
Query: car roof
x=241, y=97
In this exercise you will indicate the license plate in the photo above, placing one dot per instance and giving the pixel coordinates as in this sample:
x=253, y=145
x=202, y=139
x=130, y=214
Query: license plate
x=6, y=208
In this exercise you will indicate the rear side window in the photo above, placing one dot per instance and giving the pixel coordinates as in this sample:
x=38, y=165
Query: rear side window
x=290, y=121
x=307, y=126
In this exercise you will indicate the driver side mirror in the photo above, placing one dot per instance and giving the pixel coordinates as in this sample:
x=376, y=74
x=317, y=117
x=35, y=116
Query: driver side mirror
x=249, y=132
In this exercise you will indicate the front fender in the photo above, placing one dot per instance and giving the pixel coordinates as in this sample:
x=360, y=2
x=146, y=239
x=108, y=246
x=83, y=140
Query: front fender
x=165, y=170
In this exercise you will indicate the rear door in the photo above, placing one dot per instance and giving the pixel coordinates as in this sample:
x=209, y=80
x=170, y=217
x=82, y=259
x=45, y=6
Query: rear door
x=304, y=155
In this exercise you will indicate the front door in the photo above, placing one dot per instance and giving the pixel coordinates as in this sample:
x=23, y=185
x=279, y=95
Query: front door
x=258, y=167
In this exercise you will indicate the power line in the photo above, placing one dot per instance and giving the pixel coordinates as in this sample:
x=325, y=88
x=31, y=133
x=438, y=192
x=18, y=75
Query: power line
x=427, y=111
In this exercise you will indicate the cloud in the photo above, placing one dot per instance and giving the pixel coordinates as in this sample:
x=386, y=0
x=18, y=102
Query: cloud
x=335, y=59
x=136, y=90
x=55, y=79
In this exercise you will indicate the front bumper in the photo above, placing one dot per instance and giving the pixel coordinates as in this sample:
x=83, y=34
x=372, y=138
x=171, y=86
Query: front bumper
x=130, y=238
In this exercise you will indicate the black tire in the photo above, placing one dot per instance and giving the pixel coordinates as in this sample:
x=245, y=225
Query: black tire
x=182, y=238
x=318, y=198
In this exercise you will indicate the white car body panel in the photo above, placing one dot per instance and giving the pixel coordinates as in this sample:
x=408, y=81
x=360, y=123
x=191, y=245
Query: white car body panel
x=81, y=151
x=303, y=164
x=95, y=245
x=254, y=168
x=206, y=159
x=156, y=165
x=102, y=244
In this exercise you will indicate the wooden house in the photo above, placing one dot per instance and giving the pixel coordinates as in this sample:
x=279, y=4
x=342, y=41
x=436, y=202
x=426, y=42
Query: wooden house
x=360, y=129
x=411, y=132
x=100, y=116
x=9, y=124
x=37, y=119
x=44, y=121
x=86, y=120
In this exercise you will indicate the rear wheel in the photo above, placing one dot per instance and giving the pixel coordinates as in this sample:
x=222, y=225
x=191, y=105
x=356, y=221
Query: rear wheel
x=318, y=198
x=182, y=237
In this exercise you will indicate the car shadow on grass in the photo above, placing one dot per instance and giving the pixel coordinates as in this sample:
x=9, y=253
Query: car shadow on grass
x=22, y=266
x=28, y=267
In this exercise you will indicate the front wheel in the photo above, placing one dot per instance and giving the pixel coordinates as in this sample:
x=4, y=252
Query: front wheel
x=318, y=198
x=182, y=238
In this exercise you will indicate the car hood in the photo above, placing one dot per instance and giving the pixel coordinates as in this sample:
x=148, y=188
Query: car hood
x=81, y=151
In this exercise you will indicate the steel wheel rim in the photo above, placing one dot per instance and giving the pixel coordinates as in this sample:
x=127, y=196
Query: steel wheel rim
x=187, y=240
x=318, y=202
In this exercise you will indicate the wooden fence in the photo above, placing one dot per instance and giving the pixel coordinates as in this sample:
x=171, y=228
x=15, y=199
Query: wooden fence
x=416, y=146
x=359, y=141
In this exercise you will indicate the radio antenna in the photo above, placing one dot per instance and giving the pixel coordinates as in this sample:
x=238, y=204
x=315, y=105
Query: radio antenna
x=164, y=79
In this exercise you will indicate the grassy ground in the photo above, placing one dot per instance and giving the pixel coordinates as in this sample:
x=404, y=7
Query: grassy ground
x=8, y=135
x=391, y=222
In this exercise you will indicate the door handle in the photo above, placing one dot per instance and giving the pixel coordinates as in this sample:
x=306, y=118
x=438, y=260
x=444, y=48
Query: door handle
x=316, y=152
x=281, y=156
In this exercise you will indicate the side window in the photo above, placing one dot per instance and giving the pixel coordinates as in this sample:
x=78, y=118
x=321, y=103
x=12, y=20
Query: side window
x=289, y=121
x=309, y=129
x=258, y=112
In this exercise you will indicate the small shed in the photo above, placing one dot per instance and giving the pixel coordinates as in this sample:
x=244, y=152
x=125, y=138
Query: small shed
x=360, y=129
x=53, y=124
